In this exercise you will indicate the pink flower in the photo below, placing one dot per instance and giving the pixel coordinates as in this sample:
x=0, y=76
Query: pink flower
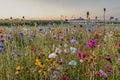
x=34, y=50
x=108, y=68
x=81, y=55
x=119, y=45
x=102, y=74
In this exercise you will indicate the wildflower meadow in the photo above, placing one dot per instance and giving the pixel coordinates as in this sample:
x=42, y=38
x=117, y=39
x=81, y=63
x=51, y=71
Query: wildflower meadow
x=55, y=53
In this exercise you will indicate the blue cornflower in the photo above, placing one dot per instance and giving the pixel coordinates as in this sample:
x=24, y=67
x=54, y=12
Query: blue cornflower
x=1, y=48
x=89, y=30
x=40, y=29
x=18, y=55
x=21, y=33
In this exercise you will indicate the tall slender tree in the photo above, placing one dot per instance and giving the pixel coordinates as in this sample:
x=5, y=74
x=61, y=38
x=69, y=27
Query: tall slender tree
x=104, y=14
x=11, y=20
x=104, y=9
x=96, y=20
x=23, y=17
x=87, y=17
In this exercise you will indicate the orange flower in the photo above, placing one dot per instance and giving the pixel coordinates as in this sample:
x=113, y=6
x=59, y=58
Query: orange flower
x=52, y=68
x=1, y=31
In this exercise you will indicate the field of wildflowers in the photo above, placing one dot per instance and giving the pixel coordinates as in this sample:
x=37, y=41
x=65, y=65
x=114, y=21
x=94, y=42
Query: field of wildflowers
x=70, y=53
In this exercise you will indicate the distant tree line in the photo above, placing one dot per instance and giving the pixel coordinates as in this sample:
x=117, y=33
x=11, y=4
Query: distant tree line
x=30, y=22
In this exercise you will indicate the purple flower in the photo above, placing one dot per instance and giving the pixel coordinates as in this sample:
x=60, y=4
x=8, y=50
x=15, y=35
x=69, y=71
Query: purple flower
x=2, y=40
x=111, y=18
x=61, y=38
x=54, y=36
x=73, y=41
x=10, y=38
x=102, y=74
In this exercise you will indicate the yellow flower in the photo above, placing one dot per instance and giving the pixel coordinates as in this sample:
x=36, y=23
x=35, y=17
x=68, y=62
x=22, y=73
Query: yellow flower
x=42, y=65
x=65, y=41
x=92, y=59
x=37, y=60
x=45, y=73
x=86, y=74
x=55, y=63
x=49, y=59
x=17, y=72
x=18, y=68
x=39, y=71
x=86, y=60
x=49, y=52
x=94, y=56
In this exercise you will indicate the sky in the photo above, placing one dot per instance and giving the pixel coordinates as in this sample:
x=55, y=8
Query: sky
x=58, y=9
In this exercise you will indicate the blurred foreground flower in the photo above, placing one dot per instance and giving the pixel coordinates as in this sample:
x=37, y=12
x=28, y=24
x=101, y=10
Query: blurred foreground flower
x=1, y=48
x=81, y=55
x=102, y=74
x=119, y=45
x=64, y=77
x=109, y=68
x=52, y=55
x=72, y=63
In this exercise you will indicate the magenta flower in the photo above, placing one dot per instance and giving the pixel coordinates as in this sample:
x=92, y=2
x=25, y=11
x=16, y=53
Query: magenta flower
x=119, y=45
x=64, y=77
x=102, y=74
x=91, y=43
x=81, y=55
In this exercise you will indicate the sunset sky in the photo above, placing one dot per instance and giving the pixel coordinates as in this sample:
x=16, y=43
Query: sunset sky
x=53, y=9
